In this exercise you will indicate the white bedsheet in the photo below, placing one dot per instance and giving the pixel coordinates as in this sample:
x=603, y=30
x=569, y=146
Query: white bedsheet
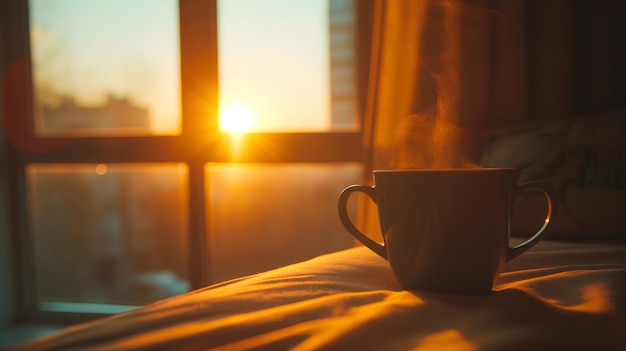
x=556, y=296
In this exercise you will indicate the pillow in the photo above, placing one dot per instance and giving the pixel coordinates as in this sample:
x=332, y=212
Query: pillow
x=583, y=159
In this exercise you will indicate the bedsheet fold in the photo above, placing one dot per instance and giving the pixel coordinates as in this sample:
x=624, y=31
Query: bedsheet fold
x=557, y=295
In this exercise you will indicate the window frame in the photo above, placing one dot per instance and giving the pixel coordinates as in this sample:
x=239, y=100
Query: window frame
x=200, y=141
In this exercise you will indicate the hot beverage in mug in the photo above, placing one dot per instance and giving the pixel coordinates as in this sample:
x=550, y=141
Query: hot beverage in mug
x=445, y=230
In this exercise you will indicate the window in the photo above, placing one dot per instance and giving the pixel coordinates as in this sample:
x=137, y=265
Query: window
x=161, y=146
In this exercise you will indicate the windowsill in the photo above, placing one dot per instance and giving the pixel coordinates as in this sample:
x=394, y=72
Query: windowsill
x=14, y=334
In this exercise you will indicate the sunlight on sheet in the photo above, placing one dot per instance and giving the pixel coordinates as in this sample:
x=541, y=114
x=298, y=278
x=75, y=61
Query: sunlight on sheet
x=449, y=339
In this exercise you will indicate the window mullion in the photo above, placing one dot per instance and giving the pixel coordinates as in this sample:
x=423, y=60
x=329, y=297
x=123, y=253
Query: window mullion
x=199, y=94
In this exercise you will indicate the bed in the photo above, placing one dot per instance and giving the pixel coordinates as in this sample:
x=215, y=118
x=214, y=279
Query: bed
x=558, y=295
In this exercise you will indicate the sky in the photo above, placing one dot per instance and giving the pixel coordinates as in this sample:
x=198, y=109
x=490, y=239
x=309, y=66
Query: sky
x=273, y=56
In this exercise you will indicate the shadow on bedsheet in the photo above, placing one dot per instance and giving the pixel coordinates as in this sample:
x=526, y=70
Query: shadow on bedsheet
x=582, y=311
x=508, y=319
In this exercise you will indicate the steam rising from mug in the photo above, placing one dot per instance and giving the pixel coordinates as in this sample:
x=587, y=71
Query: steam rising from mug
x=434, y=138
x=432, y=142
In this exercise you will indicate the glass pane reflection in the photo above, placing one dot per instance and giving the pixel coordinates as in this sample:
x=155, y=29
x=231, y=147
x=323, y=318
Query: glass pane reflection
x=103, y=68
x=108, y=234
x=291, y=63
x=263, y=216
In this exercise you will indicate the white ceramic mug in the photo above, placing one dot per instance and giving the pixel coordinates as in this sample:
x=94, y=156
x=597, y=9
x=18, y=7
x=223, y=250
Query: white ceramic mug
x=445, y=230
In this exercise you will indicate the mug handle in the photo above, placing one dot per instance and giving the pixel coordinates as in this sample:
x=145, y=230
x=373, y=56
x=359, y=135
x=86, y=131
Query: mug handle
x=519, y=249
x=370, y=191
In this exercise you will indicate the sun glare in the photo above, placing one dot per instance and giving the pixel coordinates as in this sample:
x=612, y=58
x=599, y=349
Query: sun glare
x=236, y=119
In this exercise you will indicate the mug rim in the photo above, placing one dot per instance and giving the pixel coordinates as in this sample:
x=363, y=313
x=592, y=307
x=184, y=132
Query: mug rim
x=446, y=170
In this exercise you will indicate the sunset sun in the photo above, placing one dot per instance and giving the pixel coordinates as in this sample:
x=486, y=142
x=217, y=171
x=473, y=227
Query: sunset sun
x=236, y=118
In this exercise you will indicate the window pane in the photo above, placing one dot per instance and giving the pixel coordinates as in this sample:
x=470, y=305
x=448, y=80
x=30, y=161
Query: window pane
x=105, y=68
x=108, y=233
x=290, y=64
x=262, y=216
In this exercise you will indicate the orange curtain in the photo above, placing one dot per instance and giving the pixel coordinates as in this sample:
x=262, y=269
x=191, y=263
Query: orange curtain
x=443, y=71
